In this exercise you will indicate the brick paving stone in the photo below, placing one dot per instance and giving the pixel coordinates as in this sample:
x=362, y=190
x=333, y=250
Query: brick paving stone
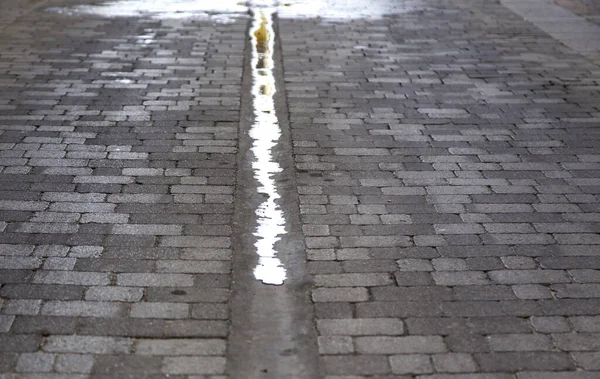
x=91, y=167
x=468, y=151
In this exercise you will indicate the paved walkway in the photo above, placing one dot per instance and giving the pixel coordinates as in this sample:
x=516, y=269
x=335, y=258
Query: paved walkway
x=441, y=172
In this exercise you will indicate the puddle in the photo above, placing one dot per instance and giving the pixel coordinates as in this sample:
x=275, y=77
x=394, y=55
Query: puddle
x=265, y=132
x=227, y=11
x=221, y=11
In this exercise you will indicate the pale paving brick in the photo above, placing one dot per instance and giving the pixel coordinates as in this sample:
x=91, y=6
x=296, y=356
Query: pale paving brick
x=72, y=277
x=147, y=229
x=125, y=294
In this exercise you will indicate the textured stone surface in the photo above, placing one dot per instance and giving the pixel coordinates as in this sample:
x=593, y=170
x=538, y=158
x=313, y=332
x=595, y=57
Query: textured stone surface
x=473, y=134
x=106, y=126
x=446, y=173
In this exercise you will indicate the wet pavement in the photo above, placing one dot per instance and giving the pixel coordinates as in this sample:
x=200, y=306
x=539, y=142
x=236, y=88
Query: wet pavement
x=211, y=190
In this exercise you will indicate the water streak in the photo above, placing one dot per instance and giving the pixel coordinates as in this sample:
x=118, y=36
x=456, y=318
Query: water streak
x=265, y=132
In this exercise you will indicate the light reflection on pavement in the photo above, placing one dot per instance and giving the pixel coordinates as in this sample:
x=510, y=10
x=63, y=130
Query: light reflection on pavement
x=226, y=11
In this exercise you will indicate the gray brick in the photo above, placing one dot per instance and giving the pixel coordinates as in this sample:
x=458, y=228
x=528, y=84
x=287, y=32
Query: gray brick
x=147, y=229
x=193, y=365
x=125, y=294
x=18, y=250
x=210, y=311
x=520, y=342
x=550, y=324
x=353, y=280
x=411, y=264
x=155, y=280
x=577, y=341
x=56, y=263
x=74, y=363
x=588, y=361
x=22, y=307
x=356, y=365
x=460, y=278
x=400, y=345
x=199, y=267
x=178, y=347
x=524, y=360
x=360, y=327
x=43, y=325
x=334, y=345
x=340, y=294
x=411, y=364
x=104, y=218
x=160, y=310
x=586, y=323
x=196, y=328
x=35, y=362
x=84, y=309
x=528, y=276
x=532, y=291
x=194, y=241
x=23, y=205
x=17, y=343
x=5, y=323
x=449, y=264
x=454, y=362
x=72, y=277
x=20, y=263
x=375, y=241
x=87, y=345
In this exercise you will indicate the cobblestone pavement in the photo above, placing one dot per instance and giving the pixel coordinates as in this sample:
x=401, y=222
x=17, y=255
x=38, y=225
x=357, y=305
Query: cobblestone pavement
x=446, y=178
x=448, y=172
x=118, y=157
